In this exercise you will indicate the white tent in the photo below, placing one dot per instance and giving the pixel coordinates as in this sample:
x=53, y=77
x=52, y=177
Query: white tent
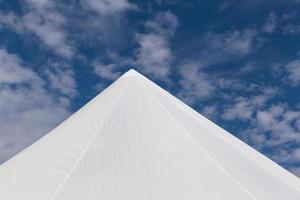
x=135, y=141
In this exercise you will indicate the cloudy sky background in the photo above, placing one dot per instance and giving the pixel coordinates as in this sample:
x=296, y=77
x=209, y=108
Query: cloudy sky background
x=236, y=62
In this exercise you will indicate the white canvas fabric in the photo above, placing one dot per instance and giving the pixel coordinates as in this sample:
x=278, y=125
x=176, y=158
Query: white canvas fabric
x=135, y=141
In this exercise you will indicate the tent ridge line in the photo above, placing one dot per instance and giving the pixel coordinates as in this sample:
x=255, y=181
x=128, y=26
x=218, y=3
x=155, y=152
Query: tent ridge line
x=246, y=153
x=188, y=135
x=87, y=147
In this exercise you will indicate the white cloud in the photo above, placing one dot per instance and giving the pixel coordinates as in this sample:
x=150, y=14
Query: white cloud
x=39, y=3
x=109, y=71
x=268, y=126
x=283, y=23
x=293, y=70
x=271, y=128
x=234, y=42
x=221, y=47
x=195, y=84
x=12, y=20
x=164, y=23
x=280, y=121
x=61, y=77
x=27, y=109
x=11, y=72
x=291, y=29
x=105, y=7
x=270, y=24
x=210, y=111
x=154, y=55
x=44, y=21
x=284, y=155
x=231, y=84
x=289, y=157
x=243, y=108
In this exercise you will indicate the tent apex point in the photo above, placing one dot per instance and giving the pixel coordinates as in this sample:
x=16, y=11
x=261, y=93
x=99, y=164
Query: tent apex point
x=132, y=72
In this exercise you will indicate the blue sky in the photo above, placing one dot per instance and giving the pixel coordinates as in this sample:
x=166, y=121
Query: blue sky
x=236, y=62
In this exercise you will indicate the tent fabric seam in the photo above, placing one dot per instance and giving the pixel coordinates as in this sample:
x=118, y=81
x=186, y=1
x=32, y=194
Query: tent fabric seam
x=86, y=148
x=243, y=152
x=209, y=156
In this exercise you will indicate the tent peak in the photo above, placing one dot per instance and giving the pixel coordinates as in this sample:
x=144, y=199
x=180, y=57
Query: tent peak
x=132, y=72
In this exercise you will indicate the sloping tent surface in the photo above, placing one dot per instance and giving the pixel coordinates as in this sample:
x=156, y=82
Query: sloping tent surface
x=135, y=141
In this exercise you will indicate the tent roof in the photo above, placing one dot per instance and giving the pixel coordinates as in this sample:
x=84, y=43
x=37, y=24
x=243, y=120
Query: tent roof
x=135, y=141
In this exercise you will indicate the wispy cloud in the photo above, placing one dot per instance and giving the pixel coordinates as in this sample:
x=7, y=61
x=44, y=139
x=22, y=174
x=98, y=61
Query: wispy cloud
x=104, y=7
x=106, y=71
x=11, y=72
x=243, y=108
x=61, y=78
x=213, y=47
x=42, y=19
x=282, y=122
x=164, y=24
x=271, y=127
x=270, y=24
x=27, y=109
x=210, y=111
x=195, y=84
x=293, y=72
x=224, y=46
x=154, y=55
x=281, y=23
x=291, y=29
